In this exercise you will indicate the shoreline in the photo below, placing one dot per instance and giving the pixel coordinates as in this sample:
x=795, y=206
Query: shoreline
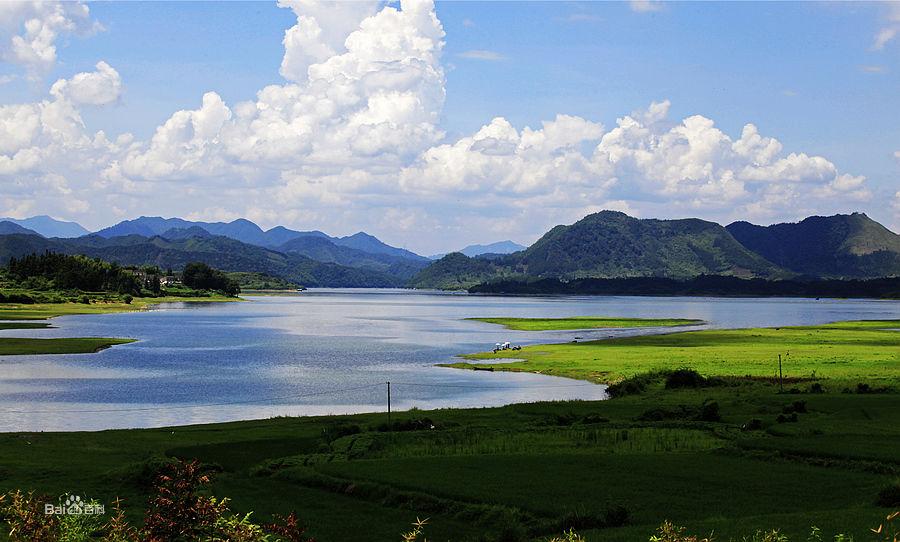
x=31, y=316
x=752, y=353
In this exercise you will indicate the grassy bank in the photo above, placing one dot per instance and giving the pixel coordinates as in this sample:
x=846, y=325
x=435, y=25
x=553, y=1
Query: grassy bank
x=24, y=325
x=10, y=346
x=526, y=470
x=21, y=314
x=42, y=311
x=584, y=322
x=868, y=350
x=728, y=455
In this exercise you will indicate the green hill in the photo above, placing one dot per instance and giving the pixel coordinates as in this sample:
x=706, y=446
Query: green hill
x=613, y=244
x=840, y=246
x=610, y=244
x=456, y=271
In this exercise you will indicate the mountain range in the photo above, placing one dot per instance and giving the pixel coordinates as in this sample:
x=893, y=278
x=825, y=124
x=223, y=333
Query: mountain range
x=500, y=247
x=607, y=244
x=611, y=244
x=49, y=227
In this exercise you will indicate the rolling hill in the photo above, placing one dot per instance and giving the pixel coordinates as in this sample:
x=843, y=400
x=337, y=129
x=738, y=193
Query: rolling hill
x=839, y=246
x=610, y=244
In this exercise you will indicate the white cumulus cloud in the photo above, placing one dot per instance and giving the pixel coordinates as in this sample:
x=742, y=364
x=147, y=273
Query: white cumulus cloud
x=29, y=31
x=352, y=140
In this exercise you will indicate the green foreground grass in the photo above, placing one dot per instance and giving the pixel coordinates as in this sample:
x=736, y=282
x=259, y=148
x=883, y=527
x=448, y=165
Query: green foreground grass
x=584, y=322
x=813, y=455
x=540, y=467
x=868, y=350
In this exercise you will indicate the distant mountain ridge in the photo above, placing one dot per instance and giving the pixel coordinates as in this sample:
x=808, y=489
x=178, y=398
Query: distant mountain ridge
x=839, y=246
x=248, y=232
x=49, y=227
x=500, y=247
x=217, y=251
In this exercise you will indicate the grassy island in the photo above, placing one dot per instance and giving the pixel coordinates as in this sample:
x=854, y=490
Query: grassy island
x=584, y=322
x=842, y=350
x=79, y=345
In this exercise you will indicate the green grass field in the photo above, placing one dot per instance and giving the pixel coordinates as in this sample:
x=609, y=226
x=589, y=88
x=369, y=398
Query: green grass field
x=584, y=322
x=42, y=311
x=10, y=346
x=536, y=466
x=868, y=350
x=812, y=455
x=24, y=325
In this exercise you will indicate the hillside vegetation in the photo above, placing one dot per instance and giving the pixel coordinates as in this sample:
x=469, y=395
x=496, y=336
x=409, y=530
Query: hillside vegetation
x=840, y=246
x=609, y=244
x=219, y=252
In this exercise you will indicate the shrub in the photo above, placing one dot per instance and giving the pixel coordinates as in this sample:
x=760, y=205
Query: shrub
x=667, y=532
x=816, y=387
x=684, y=378
x=568, y=536
x=709, y=412
x=127, y=299
x=25, y=517
x=754, y=424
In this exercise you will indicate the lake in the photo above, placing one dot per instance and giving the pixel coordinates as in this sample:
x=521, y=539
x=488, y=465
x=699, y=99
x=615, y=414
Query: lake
x=330, y=351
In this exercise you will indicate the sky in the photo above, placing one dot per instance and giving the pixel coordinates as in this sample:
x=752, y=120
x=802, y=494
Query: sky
x=437, y=126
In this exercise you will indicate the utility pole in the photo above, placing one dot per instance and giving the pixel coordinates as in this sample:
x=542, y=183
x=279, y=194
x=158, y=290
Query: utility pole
x=780, y=375
x=389, y=405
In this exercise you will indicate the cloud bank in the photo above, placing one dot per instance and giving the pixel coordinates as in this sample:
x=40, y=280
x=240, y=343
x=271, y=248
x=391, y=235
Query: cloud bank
x=352, y=140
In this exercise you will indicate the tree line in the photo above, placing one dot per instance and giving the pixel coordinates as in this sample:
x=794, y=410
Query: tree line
x=54, y=271
x=703, y=285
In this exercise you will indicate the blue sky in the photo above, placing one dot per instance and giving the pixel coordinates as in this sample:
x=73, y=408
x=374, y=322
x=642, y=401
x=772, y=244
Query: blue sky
x=808, y=74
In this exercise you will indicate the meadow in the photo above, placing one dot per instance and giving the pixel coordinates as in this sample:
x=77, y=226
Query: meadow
x=524, y=472
x=584, y=322
x=715, y=451
x=868, y=350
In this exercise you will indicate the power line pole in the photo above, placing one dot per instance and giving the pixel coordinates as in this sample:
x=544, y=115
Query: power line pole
x=780, y=375
x=389, y=404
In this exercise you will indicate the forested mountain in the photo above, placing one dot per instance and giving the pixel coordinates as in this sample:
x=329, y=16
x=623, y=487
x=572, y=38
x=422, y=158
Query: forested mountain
x=368, y=243
x=323, y=249
x=7, y=227
x=839, y=246
x=248, y=232
x=217, y=251
x=456, y=271
x=611, y=244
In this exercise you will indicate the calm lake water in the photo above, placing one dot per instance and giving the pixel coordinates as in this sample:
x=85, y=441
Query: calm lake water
x=329, y=351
